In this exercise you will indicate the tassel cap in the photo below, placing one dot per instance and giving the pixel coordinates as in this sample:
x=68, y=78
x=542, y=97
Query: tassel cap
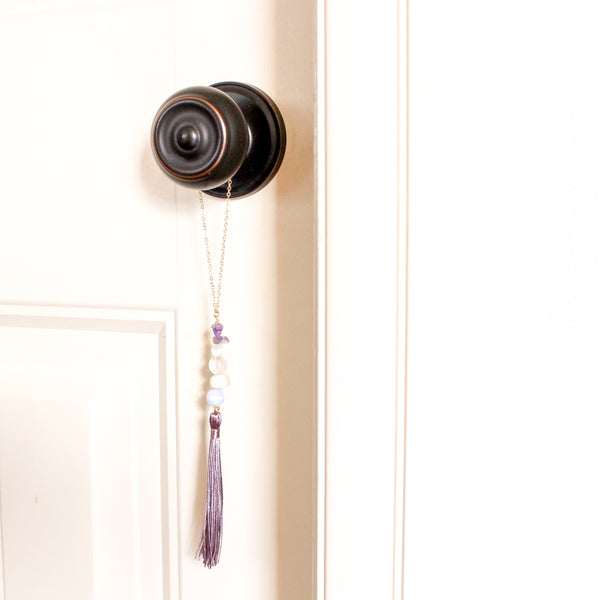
x=215, y=424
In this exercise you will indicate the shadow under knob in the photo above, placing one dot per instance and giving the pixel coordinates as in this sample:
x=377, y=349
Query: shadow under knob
x=200, y=137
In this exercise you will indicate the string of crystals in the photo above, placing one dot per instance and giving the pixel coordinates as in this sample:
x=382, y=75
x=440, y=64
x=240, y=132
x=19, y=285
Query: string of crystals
x=209, y=548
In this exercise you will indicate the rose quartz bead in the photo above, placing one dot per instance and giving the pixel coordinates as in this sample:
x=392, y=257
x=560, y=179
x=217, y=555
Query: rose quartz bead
x=217, y=365
x=218, y=349
x=220, y=382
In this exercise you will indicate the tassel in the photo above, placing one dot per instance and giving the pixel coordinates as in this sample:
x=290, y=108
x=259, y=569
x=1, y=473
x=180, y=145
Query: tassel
x=209, y=549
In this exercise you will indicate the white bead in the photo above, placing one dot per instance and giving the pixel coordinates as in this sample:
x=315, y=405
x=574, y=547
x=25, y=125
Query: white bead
x=215, y=397
x=220, y=382
x=217, y=365
x=218, y=349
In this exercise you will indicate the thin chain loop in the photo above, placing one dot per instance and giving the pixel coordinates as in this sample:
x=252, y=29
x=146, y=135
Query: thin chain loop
x=216, y=294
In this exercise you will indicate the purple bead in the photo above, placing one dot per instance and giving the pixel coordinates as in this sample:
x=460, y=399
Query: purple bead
x=219, y=339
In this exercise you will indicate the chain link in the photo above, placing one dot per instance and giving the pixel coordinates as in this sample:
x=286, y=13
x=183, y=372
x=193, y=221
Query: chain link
x=216, y=294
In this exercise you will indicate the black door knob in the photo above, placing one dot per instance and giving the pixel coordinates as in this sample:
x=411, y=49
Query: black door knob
x=203, y=136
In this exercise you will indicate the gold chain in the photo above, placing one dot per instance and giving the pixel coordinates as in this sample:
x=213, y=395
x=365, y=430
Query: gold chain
x=216, y=296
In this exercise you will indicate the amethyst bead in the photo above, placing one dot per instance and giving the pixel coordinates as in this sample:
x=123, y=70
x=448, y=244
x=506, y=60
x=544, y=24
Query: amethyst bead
x=218, y=338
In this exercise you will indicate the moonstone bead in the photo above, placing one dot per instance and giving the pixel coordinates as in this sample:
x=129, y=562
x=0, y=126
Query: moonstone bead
x=220, y=381
x=218, y=349
x=217, y=365
x=215, y=397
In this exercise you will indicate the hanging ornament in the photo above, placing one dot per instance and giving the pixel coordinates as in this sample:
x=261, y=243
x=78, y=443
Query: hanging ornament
x=201, y=138
x=209, y=548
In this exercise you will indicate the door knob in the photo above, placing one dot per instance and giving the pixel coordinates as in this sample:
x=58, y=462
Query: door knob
x=204, y=136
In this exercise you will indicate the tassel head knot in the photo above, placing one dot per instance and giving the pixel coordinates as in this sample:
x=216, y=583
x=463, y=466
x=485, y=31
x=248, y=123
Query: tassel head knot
x=215, y=420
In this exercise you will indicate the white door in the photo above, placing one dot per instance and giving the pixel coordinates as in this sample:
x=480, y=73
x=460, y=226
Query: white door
x=105, y=308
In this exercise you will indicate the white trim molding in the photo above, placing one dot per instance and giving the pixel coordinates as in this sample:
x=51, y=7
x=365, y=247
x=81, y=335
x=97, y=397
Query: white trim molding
x=362, y=240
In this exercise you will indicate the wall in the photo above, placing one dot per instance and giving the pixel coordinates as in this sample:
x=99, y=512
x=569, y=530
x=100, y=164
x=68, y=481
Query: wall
x=461, y=255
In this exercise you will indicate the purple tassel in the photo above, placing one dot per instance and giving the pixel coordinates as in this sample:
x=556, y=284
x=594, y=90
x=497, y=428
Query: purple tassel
x=209, y=549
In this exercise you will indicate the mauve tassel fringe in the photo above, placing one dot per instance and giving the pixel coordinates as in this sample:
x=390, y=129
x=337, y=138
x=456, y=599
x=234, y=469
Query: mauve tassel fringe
x=209, y=549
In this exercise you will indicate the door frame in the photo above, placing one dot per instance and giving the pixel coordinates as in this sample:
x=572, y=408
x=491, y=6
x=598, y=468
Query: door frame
x=362, y=243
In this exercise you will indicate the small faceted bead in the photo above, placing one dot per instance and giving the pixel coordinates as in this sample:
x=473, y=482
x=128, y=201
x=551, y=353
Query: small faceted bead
x=215, y=397
x=220, y=381
x=217, y=365
x=218, y=349
x=217, y=330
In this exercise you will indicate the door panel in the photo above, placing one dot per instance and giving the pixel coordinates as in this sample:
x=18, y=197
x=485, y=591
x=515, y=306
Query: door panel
x=86, y=433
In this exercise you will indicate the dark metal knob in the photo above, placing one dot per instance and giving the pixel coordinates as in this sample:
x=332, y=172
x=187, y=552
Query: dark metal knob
x=199, y=137
x=203, y=136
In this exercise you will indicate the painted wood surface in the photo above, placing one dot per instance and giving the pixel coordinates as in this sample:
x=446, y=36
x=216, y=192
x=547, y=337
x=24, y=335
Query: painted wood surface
x=460, y=144
x=90, y=223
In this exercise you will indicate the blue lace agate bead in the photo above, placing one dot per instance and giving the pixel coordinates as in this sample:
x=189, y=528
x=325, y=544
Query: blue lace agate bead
x=215, y=397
